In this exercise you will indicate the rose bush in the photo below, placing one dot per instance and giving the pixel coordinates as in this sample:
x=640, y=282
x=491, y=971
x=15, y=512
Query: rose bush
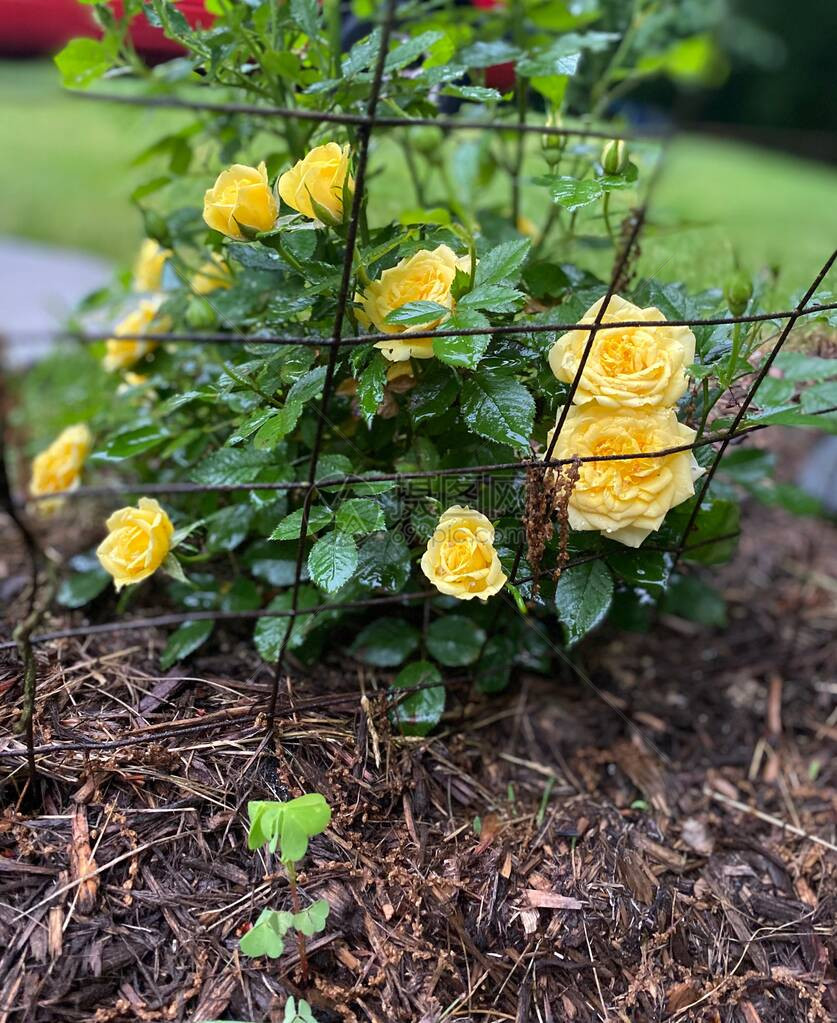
x=468, y=233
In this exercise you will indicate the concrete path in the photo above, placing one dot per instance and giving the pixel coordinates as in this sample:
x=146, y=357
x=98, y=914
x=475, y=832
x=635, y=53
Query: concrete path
x=39, y=286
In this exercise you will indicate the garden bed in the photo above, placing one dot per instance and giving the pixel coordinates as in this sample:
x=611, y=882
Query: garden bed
x=637, y=847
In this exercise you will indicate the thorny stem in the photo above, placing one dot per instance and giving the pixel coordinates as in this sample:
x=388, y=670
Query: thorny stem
x=300, y=937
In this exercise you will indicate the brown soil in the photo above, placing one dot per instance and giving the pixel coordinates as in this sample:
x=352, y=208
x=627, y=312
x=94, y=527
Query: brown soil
x=655, y=839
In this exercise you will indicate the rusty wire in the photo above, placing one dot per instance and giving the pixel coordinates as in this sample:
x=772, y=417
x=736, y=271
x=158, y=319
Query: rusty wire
x=504, y=329
x=365, y=124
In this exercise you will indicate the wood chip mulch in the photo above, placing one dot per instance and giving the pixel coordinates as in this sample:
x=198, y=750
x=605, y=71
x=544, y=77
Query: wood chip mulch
x=654, y=843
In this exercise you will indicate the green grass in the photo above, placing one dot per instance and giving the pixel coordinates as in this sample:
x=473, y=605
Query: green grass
x=68, y=175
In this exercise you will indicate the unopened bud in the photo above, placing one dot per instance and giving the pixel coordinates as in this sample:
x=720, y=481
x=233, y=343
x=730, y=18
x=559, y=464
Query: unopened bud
x=426, y=139
x=614, y=157
x=738, y=291
x=553, y=145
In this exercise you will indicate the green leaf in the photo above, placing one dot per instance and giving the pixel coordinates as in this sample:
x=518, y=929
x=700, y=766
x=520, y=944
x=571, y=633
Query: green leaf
x=497, y=298
x=466, y=350
x=370, y=386
x=298, y=1012
x=360, y=515
x=231, y=465
x=290, y=528
x=415, y=313
x=435, y=392
x=309, y=385
x=560, y=58
x=333, y=560
x=171, y=566
x=288, y=825
x=384, y=562
x=386, y=642
x=266, y=936
x=418, y=712
x=312, y=920
x=435, y=215
x=82, y=61
x=486, y=54
x=648, y=570
x=306, y=15
x=503, y=264
x=582, y=598
x=133, y=442
x=773, y=392
x=493, y=669
x=84, y=585
x=716, y=518
x=270, y=633
x=573, y=194
x=800, y=367
x=228, y=528
x=819, y=397
x=499, y=408
x=690, y=598
x=411, y=50
x=455, y=640
x=474, y=93
x=184, y=641
x=277, y=425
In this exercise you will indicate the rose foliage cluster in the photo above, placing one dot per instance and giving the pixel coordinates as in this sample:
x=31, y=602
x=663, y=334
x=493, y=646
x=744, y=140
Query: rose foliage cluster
x=446, y=242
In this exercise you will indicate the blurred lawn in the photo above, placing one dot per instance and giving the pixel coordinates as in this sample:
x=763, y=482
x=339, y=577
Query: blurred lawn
x=70, y=175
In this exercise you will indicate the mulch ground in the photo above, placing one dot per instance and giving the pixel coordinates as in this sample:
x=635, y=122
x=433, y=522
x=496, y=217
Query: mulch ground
x=654, y=841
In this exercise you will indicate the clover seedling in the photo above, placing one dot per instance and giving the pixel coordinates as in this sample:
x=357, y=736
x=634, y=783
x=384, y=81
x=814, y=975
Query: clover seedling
x=298, y=1012
x=287, y=827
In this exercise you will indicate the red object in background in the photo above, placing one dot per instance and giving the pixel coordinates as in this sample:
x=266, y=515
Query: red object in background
x=500, y=77
x=33, y=27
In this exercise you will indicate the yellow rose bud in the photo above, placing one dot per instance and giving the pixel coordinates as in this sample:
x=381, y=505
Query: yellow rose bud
x=614, y=157
x=59, y=467
x=138, y=541
x=213, y=274
x=240, y=197
x=121, y=354
x=318, y=178
x=423, y=277
x=628, y=366
x=626, y=499
x=148, y=268
x=460, y=559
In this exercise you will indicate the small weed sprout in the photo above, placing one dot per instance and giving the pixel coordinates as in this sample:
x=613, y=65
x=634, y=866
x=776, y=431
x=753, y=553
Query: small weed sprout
x=287, y=827
x=298, y=1012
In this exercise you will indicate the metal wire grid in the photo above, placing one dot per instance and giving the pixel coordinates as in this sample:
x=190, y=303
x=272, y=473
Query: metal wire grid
x=366, y=125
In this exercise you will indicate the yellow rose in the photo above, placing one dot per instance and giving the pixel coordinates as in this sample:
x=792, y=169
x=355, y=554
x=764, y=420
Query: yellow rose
x=213, y=274
x=627, y=366
x=121, y=354
x=240, y=197
x=628, y=499
x=138, y=541
x=59, y=467
x=423, y=277
x=148, y=269
x=320, y=177
x=460, y=559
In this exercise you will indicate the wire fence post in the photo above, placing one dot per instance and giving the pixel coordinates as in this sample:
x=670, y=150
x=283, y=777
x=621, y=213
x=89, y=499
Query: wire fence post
x=343, y=298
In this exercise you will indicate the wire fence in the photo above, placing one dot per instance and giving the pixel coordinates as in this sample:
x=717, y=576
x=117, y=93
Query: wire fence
x=25, y=635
